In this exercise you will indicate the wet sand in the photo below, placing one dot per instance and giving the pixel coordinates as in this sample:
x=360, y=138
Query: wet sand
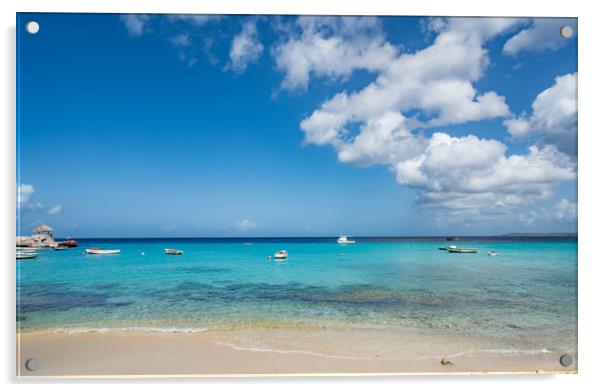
x=215, y=354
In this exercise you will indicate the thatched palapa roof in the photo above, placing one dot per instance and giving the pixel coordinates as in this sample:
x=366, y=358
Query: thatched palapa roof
x=43, y=228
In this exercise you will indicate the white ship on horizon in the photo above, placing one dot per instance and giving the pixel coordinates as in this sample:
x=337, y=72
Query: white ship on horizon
x=343, y=240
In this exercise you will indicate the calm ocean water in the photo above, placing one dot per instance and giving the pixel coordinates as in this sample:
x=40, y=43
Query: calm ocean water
x=525, y=297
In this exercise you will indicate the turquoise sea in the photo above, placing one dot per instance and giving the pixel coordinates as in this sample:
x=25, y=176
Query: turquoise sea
x=525, y=298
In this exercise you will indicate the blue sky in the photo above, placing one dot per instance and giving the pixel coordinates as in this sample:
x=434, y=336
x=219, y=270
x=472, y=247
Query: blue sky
x=154, y=125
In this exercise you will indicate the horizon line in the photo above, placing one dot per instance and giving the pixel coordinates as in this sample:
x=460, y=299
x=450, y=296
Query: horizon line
x=534, y=234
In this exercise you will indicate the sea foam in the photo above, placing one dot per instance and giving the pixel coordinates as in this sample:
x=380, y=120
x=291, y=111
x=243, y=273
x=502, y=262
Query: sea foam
x=83, y=330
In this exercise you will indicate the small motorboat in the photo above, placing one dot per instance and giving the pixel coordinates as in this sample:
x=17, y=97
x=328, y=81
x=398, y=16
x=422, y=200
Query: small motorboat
x=26, y=250
x=463, y=250
x=455, y=249
x=98, y=251
x=281, y=255
x=69, y=243
x=26, y=253
x=492, y=253
x=60, y=247
x=343, y=240
x=174, y=252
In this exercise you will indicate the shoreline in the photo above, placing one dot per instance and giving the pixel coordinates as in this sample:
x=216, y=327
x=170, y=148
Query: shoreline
x=228, y=353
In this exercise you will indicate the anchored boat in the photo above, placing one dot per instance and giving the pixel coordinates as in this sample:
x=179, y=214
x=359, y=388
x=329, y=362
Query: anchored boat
x=26, y=254
x=69, y=243
x=98, y=251
x=455, y=249
x=281, y=255
x=26, y=250
x=174, y=252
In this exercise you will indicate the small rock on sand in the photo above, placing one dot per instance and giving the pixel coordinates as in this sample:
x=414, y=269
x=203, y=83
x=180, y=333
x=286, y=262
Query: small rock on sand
x=445, y=361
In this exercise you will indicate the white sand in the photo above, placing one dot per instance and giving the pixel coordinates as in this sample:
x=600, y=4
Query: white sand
x=226, y=353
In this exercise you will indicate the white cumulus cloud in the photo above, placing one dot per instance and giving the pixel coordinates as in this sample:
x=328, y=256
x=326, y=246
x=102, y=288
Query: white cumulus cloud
x=138, y=24
x=135, y=23
x=27, y=203
x=385, y=139
x=246, y=47
x=331, y=47
x=25, y=199
x=554, y=116
x=464, y=176
x=197, y=20
x=565, y=210
x=184, y=32
x=24, y=193
x=437, y=81
x=542, y=35
x=55, y=210
x=562, y=211
x=181, y=40
x=474, y=174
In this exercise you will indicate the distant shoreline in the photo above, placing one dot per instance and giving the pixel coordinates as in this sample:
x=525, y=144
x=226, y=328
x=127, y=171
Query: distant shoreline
x=540, y=235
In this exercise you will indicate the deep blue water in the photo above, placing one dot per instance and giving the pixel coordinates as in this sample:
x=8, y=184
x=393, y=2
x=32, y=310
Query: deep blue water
x=526, y=296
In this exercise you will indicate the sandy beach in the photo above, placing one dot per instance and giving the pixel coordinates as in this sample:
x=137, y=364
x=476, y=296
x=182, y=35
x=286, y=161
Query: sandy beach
x=214, y=354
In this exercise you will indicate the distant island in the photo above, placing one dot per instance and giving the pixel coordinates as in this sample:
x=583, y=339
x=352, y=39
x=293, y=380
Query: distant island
x=539, y=235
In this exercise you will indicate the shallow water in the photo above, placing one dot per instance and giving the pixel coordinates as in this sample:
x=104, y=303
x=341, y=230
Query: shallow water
x=523, y=299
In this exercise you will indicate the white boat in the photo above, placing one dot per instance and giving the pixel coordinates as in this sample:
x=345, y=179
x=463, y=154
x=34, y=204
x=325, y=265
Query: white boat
x=281, y=254
x=175, y=252
x=26, y=250
x=26, y=255
x=455, y=249
x=60, y=247
x=98, y=251
x=343, y=240
x=492, y=253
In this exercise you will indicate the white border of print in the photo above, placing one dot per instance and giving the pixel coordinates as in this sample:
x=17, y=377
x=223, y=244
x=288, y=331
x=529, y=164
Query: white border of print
x=590, y=127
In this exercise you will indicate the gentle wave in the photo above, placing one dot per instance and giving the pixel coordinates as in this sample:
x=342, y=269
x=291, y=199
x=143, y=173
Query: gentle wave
x=510, y=351
x=82, y=330
x=498, y=351
x=503, y=351
x=516, y=351
x=273, y=350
